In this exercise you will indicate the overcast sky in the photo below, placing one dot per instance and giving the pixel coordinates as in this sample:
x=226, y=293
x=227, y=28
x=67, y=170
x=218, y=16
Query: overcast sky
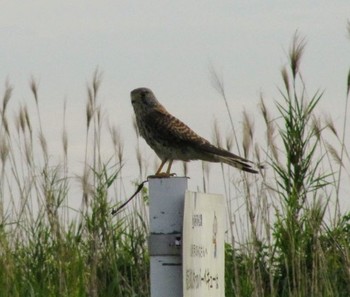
x=167, y=46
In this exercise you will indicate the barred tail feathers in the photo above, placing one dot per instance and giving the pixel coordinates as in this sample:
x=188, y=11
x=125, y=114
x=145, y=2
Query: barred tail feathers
x=239, y=164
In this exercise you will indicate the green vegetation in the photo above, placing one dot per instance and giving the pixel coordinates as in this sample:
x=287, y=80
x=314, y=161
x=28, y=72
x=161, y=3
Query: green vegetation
x=45, y=252
x=290, y=238
x=304, y=249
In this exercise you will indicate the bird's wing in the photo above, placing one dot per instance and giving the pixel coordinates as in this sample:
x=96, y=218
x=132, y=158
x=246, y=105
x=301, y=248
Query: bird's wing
x=167, y=126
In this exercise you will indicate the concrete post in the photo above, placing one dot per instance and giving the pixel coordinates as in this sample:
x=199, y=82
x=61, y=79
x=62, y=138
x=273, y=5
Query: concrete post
x=166, y=219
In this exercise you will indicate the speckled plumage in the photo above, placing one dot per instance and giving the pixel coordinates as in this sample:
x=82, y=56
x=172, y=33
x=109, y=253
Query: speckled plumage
x=172, y=140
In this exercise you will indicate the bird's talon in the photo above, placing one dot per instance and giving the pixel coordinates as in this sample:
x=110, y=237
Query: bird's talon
x=162, y=175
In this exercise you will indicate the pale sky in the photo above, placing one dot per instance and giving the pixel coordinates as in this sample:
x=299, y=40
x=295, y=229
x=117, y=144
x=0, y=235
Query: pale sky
x=167, y=46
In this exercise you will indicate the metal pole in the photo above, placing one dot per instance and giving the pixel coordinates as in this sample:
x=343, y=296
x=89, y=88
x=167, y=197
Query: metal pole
x=166, y=217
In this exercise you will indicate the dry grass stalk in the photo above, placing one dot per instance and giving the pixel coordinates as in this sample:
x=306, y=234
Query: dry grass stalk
x=28, y=150
x=43, y=144
x=206, y=173
x=117, y=142
x=257, y=153
x=295, y=53
x=270, y=129
x=264, y=111
x=333, y=152
x=216, y=134
x=115, y=134
x=96, y=82
x=272, y=145
x=229, y=142
x=87, y=188
x=89, y=109
x=285, y=78
x=5, y=125
x=330, y=125
x=217, y=81
x=27, y=120
x=4, y=150
x=64, y=133
x=248, y=128
x=139, y=160
x=34, y=88
x=99, y=116
x=348, y=85
x=218, y=84
x=316, y=126
x=22, y=119
x=134, y=125
x=7, y=96
x=65, y=142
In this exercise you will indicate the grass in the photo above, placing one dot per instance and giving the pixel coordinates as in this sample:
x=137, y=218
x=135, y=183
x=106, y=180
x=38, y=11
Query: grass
x=47, y=248
x=286, y=235
x=287, y=244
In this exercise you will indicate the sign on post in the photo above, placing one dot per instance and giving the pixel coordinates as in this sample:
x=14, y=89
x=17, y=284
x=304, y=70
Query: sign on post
x=203, y=245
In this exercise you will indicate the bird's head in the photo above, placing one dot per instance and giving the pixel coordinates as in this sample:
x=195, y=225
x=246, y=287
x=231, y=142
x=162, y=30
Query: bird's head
x=143, y=100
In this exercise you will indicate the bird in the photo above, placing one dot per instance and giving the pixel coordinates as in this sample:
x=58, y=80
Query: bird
x=171, y=139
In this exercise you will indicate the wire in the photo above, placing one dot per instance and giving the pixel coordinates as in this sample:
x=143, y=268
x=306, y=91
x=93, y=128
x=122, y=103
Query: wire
x=119, y=208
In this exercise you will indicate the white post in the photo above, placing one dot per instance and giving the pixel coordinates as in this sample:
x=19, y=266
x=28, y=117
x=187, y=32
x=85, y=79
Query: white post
x=165, y=242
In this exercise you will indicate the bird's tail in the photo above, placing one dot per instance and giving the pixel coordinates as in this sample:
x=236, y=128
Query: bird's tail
x=241, y=164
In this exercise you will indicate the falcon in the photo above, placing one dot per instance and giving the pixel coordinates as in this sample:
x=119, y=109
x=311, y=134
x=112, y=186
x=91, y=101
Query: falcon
x=171, y=139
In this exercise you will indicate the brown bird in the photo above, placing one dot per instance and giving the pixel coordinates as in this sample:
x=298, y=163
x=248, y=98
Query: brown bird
x=172, y=140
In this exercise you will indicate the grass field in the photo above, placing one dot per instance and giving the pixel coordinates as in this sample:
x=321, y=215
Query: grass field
x=296, y=236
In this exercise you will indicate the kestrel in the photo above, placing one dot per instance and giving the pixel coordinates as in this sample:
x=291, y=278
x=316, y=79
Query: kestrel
x=172, y=140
